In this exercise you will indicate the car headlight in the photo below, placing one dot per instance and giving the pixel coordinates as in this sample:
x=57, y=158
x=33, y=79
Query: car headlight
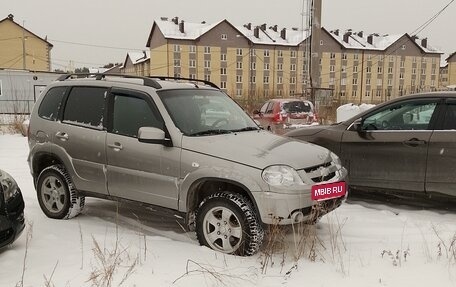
x=9, y=186
x=281, y=175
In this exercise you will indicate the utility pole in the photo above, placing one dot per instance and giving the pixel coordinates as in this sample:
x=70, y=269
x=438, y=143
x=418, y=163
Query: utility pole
x=315, y=53
x=23, y=46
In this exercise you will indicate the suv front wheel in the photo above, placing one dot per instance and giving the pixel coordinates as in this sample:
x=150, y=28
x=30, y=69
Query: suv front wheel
x=56, y=194
x=227, y=222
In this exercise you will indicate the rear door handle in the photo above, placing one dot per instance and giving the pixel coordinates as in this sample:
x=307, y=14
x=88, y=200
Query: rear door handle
x=414, y=142
x=62, y=136
x=115, y=146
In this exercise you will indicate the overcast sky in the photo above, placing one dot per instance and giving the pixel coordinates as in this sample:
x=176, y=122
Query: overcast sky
x=125, y=25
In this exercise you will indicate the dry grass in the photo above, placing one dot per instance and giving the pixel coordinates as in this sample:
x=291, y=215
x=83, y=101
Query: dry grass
x=28, y=238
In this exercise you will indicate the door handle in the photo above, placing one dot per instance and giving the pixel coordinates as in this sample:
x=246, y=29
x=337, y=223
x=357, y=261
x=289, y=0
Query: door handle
x=414, y=142
x=62, y=136
x=115, y=146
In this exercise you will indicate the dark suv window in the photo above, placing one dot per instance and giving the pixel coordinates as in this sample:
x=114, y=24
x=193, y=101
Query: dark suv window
x=131, y=113
x=85, y=107
x=50, y=106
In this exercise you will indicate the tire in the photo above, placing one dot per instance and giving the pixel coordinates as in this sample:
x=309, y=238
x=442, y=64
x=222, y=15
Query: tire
x=227, y=222
x=56, y=194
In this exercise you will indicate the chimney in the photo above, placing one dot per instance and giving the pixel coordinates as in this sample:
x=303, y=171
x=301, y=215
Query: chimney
x=283, y=33
x=11, y=16
x=336, y=32
x=256, y=32
x=360, y=34
x=248, y=26
x=181, y=26
x=370, y=39
x=203, y=22
x=294, y=29
x=347, y=36
x=424, y=42
x=263, y=27
x=274, y=28
x=176, y=20
x=164, y=18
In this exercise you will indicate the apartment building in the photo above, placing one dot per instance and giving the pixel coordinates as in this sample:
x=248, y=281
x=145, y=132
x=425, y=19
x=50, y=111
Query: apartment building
x=449, y=72
x=252, y=63
x=22, y=49
x=248, y=62
x=137, y=64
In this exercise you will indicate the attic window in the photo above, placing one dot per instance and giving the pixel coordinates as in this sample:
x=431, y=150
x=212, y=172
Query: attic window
x=321, y=42
x=224, y=37
x=403, y=47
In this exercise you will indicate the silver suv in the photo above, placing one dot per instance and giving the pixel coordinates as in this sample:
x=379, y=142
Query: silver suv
x=180, y=144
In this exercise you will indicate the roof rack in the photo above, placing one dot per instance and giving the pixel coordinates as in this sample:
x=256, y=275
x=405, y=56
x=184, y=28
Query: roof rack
x=147, y=80
x=186, y=79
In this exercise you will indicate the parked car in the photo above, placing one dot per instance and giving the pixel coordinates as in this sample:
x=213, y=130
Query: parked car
x=11, y=210
x=281, y=115
x=176, y=143
x=405, y=147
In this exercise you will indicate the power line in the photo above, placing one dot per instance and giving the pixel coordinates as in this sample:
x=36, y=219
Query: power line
x=96, y=46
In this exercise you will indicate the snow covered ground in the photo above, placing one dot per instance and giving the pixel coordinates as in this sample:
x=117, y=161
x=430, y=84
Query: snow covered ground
x=360, y=244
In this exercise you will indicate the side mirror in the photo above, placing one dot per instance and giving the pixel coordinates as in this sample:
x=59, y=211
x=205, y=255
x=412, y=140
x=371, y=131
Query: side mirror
x=357, y=125
x=152, y=136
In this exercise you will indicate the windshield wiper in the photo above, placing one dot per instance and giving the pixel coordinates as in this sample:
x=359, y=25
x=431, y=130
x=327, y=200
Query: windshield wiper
x=246, y=129
x=210, y=132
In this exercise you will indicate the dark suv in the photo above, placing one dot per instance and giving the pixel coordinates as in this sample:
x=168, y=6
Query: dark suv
x=178, y=144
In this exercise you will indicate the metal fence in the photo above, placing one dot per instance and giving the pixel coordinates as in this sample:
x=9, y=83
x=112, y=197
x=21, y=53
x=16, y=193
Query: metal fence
x=22, y=107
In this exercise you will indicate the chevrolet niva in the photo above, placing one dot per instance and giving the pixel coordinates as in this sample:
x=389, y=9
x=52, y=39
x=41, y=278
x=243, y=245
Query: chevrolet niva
x=176, y=143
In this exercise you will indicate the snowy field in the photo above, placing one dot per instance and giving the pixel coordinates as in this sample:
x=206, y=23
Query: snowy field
x=359, y=244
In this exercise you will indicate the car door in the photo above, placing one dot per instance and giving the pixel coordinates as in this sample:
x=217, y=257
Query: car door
x=82, y=136
x=144, y=172
x=262, y=116
x=389, y=149
x=440, y=175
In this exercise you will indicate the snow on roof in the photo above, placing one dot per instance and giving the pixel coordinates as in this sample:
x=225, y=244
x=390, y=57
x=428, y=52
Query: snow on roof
x=191, y=30
x=138, y=57
x=361, y=41
x=293, y=37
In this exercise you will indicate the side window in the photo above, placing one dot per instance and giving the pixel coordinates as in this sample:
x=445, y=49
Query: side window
x=51, y=103
x=449, y=121
x=131, y=113
x=85, y=107
x=264, y=107
x=270, y=108
x=402, y=116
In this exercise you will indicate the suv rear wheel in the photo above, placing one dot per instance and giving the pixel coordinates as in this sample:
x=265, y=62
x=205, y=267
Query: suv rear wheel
x=56, y=194
x=227, y=222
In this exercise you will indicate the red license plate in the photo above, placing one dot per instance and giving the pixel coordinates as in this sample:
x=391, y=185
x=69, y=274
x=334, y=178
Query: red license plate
x=329, y=190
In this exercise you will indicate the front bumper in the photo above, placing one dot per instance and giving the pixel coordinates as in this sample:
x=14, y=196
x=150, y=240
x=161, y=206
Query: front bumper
x=12, y=221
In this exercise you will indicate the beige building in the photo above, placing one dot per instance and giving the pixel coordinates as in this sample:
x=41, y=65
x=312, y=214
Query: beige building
x=256, y=62
x=136, y=64
x=22, y=49
x=449, y=72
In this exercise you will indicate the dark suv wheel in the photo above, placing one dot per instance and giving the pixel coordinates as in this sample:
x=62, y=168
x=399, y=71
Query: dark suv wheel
x=56, y=195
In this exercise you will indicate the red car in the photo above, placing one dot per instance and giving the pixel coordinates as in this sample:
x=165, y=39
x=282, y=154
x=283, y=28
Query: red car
x=281, y=115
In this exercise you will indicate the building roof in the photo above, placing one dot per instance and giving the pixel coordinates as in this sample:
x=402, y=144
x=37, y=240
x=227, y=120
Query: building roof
x=376, y=42
x=193, y=31
x=137, y=57
x=10, y=18
x=450, y=56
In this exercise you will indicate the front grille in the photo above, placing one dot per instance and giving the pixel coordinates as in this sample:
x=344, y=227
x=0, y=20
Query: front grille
x=317, y=167
x=6, y=235
x=324, y=178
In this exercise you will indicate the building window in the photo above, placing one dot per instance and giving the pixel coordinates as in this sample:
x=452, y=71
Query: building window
x=239, y=51
x=379, y=93
x=390, y=82
x=192, y=49
x=414, y=71
x=279, y=80
x=293, y=67
x=332, y=81
x=266, y=66
x=177, y=63
x=368, y=69
x=381, y=57
x=332, y=68
x=192, y=63
x=343, y=69
x=177, y=48
x=414, y=59
x=207, y=78
x=207, y=64
x=253, y=66
x=401, y=75
x=279, y=67
x=266, y=53
x=343, y=81
x=368, y=93
x=433, y=83
x=369, y=57
x=223, y=85
x=238, y=92
x=321, y=42
x=293, y=80
x=222, y=71
x=279, y=53
x=252, y=52
x=402, y=64
x=279, y=93
x=266, y=79
x=332, y=56
x=380, y=70
x=355, y=57
x=391, y=58
x=354, y=92
x=368, y=81
x=433, y=71
x=192, y=76
x=223, y=57
x=355, y=81
x=390, y=70
x=293, y=54
x=403, y=47
x=252, y=79
x=423, y=71
x=238, y=79
x=224, y=37
x=355, y=69
x=344, y=56
x=379, y=82
x=238, y=65
x=207, y=50
x=266, y=93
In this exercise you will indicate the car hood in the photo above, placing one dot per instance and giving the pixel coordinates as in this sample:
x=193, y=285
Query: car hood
x=258, y=149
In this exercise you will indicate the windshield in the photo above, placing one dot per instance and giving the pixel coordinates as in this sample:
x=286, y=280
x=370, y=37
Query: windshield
x=205, y=112
x=297, y=107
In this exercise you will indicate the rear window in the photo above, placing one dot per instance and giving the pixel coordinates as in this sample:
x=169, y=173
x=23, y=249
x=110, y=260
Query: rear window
x=85, y=107
x=297, y=107
x=52, y=101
